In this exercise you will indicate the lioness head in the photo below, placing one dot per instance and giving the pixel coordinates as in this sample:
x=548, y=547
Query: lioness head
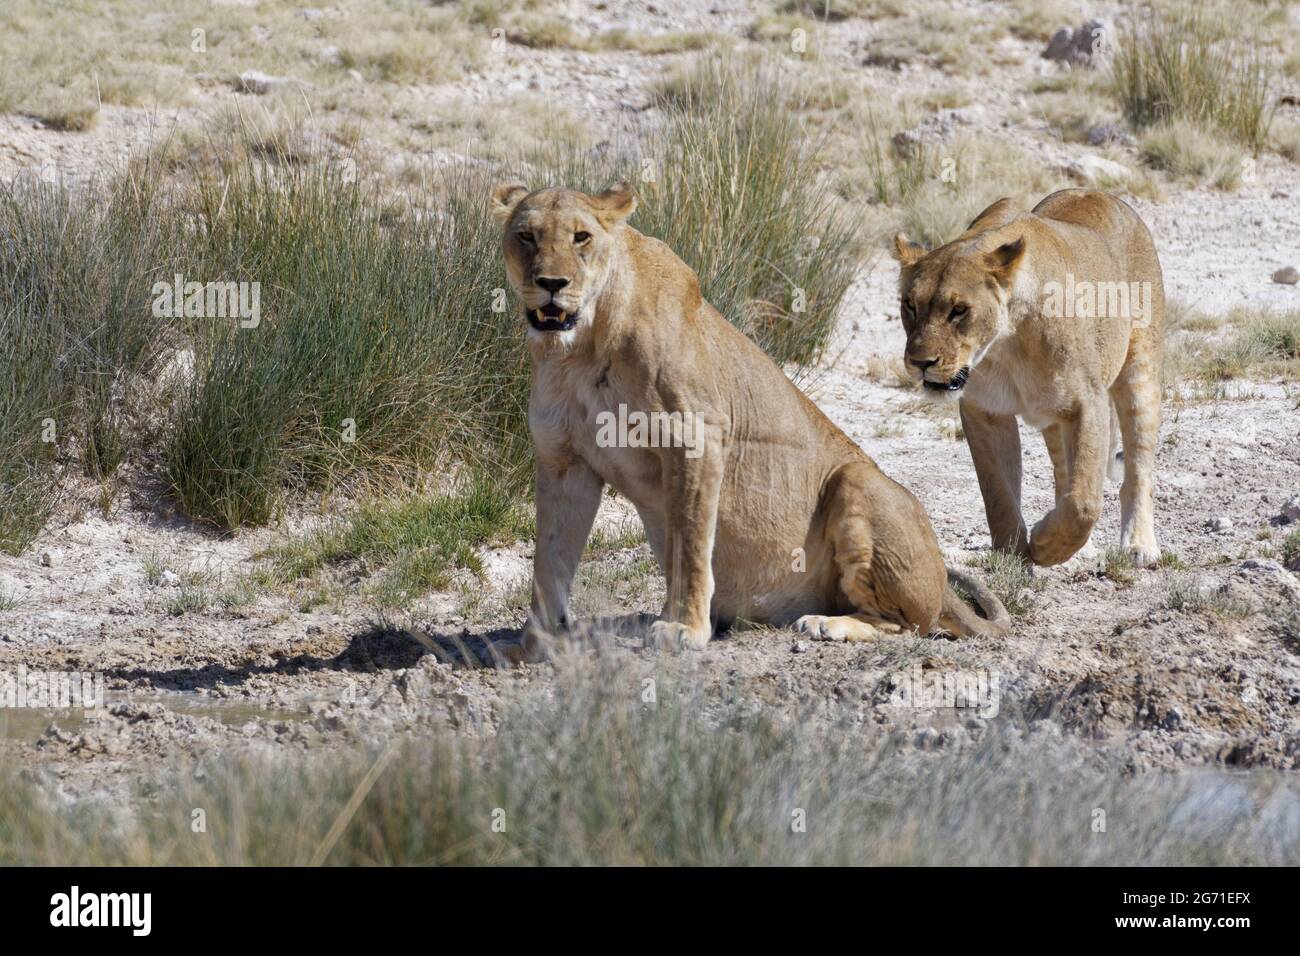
x=953, y=302
x=559, y=246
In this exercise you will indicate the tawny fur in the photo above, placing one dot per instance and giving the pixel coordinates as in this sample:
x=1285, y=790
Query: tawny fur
x=778, y=518
x=1064, y=375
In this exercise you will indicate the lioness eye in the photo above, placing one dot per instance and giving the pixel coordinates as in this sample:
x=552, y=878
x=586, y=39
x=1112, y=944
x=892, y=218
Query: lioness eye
x=581, y=237
x=526, y=237
x=957, y=312
x=907, y=306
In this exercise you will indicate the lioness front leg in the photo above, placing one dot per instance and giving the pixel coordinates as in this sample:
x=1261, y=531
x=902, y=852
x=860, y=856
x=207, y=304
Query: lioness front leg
x=994, y=442
x=568, y=497
x=1065, y=529
x=692, y=486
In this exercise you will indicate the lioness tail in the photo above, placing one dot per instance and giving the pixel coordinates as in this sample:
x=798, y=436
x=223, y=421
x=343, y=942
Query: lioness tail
x=960, y=619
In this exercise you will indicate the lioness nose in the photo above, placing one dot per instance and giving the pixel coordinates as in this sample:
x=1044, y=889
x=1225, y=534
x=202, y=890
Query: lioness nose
x=922, y=364
x=551, y=285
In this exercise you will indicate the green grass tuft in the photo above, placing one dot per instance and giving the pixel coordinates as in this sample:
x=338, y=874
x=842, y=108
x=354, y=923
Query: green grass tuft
x=1011, y=578
x=418, y=541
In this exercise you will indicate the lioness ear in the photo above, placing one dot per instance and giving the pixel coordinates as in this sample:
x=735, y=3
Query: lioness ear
x=505, y=198
x=995, y=216
x=1004, y=260
x=615, y=204
x=906, y=251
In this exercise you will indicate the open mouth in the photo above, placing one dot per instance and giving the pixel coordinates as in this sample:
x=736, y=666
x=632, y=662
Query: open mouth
x=551, y=318
x=954, y=384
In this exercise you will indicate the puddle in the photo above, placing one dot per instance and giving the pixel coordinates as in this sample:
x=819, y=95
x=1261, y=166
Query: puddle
x=232, y=713
x=26, y=725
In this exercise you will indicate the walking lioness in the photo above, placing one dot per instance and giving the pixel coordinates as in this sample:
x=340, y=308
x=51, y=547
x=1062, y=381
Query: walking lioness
x=1055, y=316
x=754, y=504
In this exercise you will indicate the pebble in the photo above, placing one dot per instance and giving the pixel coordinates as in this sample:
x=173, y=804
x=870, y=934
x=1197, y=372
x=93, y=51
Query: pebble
x=1291, y=510
x=799, y=647
x=1288, y=276
x=169, y=579
x=257, y=82
x=1221, y=523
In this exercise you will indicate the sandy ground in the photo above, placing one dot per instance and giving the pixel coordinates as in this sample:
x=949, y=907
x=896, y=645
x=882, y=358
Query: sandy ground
x=1146, y=686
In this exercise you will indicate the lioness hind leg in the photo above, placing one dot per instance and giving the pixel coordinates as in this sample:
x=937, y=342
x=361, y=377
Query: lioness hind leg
x=1137, y=403
x=887, y=559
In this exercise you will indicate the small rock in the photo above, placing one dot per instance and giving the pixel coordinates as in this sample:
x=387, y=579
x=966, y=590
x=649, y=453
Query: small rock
x=1096, y=169
x=1220, y=523
x=169, y=579
x=1288, y=276
x=1104, y=133
x=257, y=82
x=1266, y=565
x=46, y=560
x=799, y=647
x=1079, y=46
x=1058, y=47
x=887, y=60
x=1291, y=510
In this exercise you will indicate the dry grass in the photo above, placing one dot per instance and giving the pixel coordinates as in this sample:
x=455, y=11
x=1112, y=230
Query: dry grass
x=889, y=370
x=621, y=760
x=1286, y=140
x=933, y=192
x=835, y=10
x=1251, y=344
x=162, y=61
x=1184, y=149
x=950, y=39
x=1071, y=107
x=549, y=32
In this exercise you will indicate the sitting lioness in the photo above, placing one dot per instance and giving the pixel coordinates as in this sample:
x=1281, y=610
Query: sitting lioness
x=1054, y=316
x=754, y=504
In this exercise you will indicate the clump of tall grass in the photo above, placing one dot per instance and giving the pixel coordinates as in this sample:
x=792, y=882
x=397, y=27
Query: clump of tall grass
x=622, y=763
x=732, y=185
x=378, y=346
x=76, y=332
x=30, y=399
x=1188, y=66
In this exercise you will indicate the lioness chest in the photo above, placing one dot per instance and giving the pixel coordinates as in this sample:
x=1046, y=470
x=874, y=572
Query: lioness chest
x=586, y=411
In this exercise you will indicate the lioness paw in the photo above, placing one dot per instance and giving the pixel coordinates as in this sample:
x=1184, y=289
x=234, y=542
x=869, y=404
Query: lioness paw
x=822, y=628
x=1144, y=556
x=672, y=636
